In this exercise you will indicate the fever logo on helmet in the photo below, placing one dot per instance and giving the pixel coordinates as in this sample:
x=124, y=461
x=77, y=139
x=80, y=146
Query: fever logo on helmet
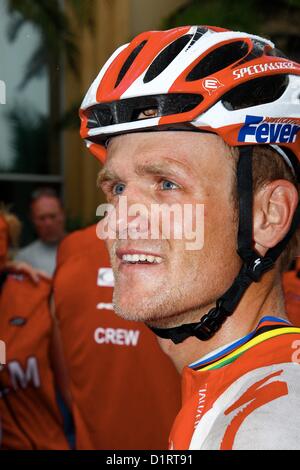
x=260, y=130
x=211, y=84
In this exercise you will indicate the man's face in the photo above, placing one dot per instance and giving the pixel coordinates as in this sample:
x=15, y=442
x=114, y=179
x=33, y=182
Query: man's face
x=48, y=219
x=171, y=168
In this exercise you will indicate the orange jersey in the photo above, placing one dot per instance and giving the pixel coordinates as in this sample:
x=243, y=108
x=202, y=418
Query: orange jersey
x=291, y=287
x=126, y=391
x=244, y=396
x=28, y=411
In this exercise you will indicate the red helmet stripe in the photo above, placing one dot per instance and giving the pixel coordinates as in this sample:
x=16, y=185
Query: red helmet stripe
x=156, y=41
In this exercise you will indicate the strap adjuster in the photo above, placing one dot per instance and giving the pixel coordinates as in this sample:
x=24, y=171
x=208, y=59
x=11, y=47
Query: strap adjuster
x=211, y=322
x=257, y=266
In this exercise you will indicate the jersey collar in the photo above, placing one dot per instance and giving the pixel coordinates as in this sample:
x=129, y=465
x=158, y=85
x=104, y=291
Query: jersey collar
x=266, y=328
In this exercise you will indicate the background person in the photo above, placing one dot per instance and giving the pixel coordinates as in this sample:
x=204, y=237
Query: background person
x=125, y=391
x=29, y=415
x=48, y=218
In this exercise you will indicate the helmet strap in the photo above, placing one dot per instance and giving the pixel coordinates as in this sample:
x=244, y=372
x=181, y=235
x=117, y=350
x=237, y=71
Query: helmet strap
x=252, y=268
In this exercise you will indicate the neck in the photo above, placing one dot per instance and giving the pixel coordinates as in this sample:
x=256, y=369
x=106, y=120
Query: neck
x=263, y=298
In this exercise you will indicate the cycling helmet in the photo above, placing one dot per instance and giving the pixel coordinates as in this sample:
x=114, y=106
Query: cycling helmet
x=208, y=79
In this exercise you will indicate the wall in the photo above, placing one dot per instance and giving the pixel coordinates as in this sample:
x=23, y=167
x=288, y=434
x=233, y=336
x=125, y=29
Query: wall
x=116, y=21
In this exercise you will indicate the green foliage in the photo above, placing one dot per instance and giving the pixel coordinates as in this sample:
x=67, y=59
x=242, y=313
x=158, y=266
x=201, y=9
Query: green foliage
x=57, y=35
x=294, y=3
x=247, y=15
x=70, y=118
x=232, y=14
x=277, y=19
x=29, y=140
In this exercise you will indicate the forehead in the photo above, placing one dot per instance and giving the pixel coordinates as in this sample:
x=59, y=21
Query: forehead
x=45, y=204
x=192, y=150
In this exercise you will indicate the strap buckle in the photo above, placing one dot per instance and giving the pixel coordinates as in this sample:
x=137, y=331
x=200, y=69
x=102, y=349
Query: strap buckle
x=257, y=266
x=211, y=322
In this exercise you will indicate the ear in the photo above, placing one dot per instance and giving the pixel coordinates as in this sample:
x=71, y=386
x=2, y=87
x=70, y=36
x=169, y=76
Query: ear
x=273, y=210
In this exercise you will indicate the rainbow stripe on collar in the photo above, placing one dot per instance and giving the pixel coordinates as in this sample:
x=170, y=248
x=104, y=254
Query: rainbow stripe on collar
x=268, y=327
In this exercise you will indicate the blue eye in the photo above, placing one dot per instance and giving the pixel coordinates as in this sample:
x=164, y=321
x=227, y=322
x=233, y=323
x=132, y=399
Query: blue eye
x=167, y=185
x=118, y=189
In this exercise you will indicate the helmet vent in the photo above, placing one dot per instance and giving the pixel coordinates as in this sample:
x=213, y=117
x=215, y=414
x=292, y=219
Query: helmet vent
x=129, y=61
x=218, y=59
x=165, y=58
x=197, y=35
x=277, y=53
x=255, y=92
x=133, y=109
x=258, y=50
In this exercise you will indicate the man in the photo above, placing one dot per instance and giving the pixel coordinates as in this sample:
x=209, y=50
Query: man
x=48, y=218
x=193, y=117
x=116, y=403
x=29, y=415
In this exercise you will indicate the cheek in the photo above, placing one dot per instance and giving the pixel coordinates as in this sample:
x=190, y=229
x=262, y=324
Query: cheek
x=41, y=222
x=181, y=221
x=210, y=238
x=219, y=216
x=110, y=246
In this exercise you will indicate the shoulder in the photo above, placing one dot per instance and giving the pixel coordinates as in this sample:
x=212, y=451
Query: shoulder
x=77, y=243
x=266, y=414
x=28, y=249
x=19, y=285
x=257, y=410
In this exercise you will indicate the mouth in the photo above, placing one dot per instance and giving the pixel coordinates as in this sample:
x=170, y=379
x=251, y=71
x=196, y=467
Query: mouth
x=132, y=257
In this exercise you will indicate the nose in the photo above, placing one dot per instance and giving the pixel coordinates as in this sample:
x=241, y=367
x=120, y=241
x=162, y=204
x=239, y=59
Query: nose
x=127, y=219
x=132, y=219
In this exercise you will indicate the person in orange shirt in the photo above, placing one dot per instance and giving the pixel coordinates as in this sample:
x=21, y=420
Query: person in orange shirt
x=29, y=415
x=291, y=287
x=125, y=390
x=197, y=128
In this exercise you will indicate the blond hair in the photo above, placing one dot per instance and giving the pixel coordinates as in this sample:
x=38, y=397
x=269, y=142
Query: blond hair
x=14, y=226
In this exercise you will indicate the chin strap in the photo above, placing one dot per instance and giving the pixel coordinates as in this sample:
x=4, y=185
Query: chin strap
x=253, y=267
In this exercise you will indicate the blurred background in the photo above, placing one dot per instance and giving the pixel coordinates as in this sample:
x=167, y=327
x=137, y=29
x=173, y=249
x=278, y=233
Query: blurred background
x=51, y=50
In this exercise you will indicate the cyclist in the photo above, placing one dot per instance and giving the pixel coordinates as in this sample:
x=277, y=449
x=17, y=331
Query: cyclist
x=204, y=115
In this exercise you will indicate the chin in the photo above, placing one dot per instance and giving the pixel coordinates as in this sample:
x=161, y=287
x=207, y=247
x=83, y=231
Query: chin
x=133, y=310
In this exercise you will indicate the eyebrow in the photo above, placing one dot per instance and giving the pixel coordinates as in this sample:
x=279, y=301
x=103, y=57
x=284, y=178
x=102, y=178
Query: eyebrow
x=161, y=168
x=146, y=169
x=106, y=175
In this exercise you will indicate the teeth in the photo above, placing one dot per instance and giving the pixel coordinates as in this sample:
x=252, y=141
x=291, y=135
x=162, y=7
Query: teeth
x=142, y=258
